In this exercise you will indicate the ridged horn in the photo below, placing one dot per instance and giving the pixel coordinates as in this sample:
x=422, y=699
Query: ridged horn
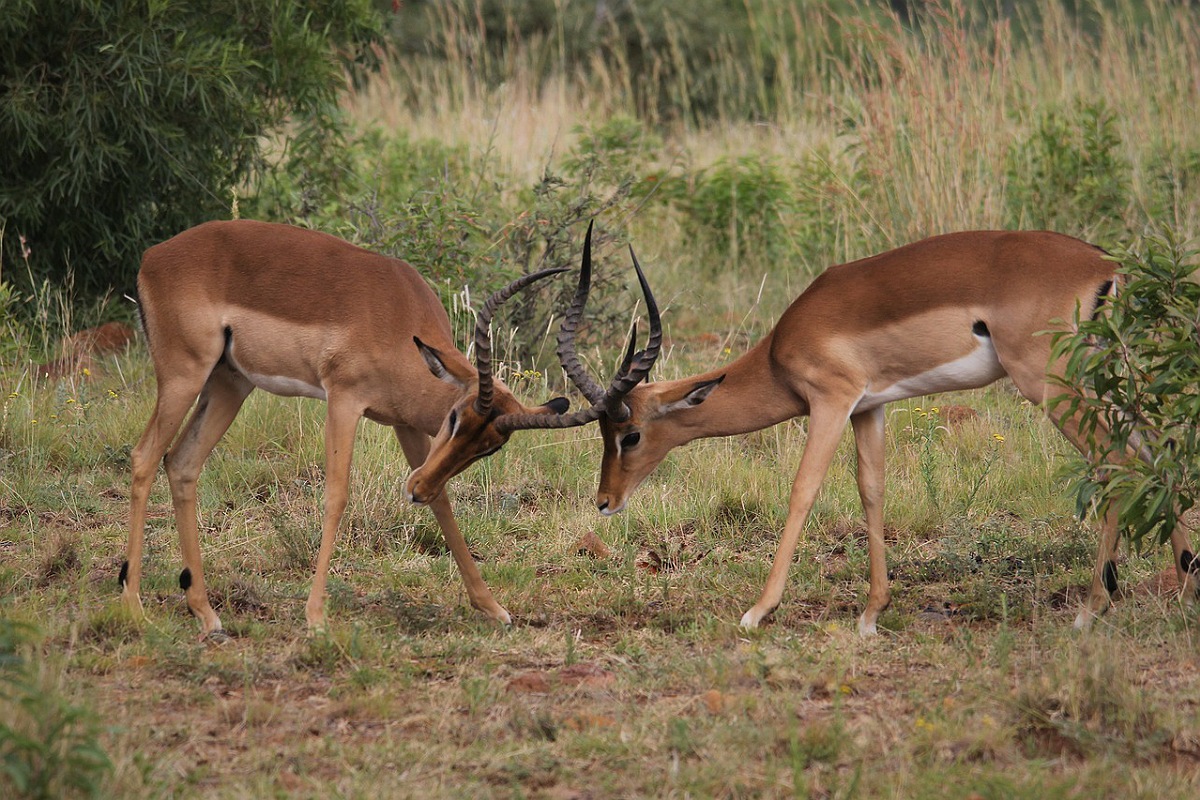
x=483, y=337
x=567, y=356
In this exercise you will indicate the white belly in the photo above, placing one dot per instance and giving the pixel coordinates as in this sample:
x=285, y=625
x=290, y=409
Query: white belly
x=285, y=386
x=979, y=368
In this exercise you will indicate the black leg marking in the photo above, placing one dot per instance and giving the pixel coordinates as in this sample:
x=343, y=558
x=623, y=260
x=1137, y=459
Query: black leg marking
x=123, y=578
x=980, y=328
x=1188, y=562
x=185, y=579
x=1110, y=576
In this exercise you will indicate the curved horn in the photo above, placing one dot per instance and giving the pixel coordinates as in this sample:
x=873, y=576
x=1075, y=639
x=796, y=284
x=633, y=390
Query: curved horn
x=519, y=422
x=630, y=349
x=483, y=337
x=566, y=334
x=626, y=379
x=609, y=402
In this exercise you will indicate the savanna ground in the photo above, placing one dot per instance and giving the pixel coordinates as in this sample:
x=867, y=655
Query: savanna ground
x=625, y=673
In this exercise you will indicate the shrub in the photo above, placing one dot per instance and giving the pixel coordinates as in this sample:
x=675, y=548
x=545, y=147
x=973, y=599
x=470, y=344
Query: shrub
x=128, y=122
x=1068, y=174
x=429, y=204
x=738, y=205
x=1139, y=364
x=48, y=746
x=1173, y=176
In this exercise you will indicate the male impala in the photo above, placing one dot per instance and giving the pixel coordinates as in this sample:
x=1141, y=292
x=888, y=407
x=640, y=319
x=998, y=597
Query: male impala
x=951, y=312
x=230, y=306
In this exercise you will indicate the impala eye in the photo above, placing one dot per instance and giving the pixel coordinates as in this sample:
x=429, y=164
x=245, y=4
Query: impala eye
x=453, y=421
x=630, y=440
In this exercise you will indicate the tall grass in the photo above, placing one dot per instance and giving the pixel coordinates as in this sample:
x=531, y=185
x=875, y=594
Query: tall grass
x=917, y=125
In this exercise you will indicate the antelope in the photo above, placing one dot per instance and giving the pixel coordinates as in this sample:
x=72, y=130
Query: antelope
x=234, y=305
x=956, y=311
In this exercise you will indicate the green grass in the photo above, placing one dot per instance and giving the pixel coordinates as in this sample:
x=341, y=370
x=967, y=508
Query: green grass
x=622, y=676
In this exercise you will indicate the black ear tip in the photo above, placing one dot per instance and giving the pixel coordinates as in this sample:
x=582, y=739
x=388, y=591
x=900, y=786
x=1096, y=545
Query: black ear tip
x=559, y=405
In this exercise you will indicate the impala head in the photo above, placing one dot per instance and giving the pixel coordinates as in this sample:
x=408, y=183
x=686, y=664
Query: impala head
x=482, y=421
x=487, y=413
x=634, y=446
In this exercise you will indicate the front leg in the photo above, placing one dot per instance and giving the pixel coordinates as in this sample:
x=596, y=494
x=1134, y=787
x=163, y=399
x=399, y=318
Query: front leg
x=416, y=446
x=828, y=420
x=869, y=442
x=341, y=423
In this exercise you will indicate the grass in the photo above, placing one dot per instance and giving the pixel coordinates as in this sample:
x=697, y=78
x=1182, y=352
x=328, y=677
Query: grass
x=626, y=675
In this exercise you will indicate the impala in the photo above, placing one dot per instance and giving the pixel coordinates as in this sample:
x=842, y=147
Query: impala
x=957, y=311
x=230, y=306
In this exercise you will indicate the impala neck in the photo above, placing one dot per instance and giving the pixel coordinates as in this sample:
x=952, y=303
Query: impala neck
x=749, y=399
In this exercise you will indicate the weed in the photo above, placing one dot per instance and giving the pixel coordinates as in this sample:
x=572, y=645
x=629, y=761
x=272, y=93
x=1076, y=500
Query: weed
x=49, y=746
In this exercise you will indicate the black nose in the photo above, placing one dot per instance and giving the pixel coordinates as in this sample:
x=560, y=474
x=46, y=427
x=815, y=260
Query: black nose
x=603, y=504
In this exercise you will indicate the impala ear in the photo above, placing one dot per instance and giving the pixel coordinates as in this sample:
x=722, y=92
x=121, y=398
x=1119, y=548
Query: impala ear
x=433, y=359
x=694, y=396
x=558, y=405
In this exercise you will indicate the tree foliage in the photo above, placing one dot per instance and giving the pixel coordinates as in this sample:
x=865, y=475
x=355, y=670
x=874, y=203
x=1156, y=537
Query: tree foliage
x=1138, y=362
x=126, y=122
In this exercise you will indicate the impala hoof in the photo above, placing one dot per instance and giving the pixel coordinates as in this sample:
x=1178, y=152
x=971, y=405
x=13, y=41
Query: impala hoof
x=751, y=619
x=217, y=637
x=865, y=628
x=499, y=614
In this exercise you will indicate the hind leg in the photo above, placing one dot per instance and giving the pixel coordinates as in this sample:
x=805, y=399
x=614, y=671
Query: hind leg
x=1038, y=389
x=220, y=401
x=869, y=441
x=176, y=393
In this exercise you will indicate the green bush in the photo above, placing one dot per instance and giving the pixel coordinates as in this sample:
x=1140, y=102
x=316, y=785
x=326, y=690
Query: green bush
x=1172, y=177
x=1139, y=364
x=430, y=205
x=1068, y=174
x=125, y=123
x=49, y=747
x=740, y=206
